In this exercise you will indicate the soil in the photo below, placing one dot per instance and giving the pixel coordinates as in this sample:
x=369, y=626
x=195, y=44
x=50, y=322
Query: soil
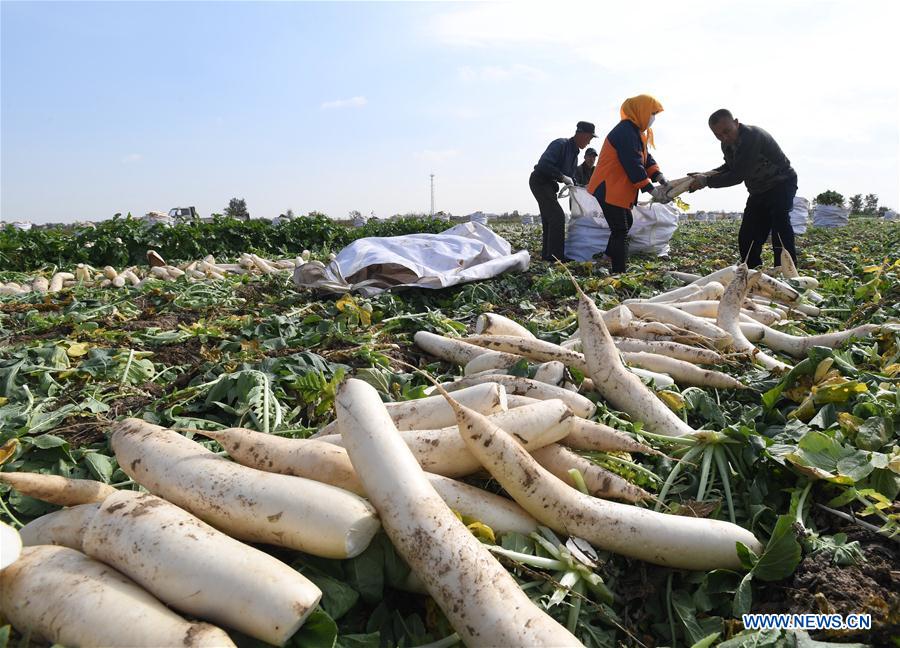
x=820, y=586
x=182, y=353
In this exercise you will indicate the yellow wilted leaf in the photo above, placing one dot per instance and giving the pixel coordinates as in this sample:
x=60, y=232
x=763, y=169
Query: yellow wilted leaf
x=482, y=532
x=892, y=370
x=673, y=400
x=77, y=349
x=838, y=392
x=343, y=302
x=822, y=369
x=872, y=268
x=848, y=422
x=7, y=450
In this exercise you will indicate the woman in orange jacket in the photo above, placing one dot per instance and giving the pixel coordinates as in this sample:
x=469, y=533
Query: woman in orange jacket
x=624, y=168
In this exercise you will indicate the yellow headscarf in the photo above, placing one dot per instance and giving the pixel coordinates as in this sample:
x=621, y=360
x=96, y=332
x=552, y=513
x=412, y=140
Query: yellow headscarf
x=637, y=110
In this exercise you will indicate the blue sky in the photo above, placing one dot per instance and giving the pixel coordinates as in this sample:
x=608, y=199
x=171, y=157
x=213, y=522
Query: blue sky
x=116, y=107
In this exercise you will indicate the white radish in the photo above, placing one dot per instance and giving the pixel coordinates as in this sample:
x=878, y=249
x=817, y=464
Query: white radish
x=727, y=318
x=723, y=276
x=329, y=464
x=82, y=273
x=659, y=380
x=432, y=412
x=490, y=361
x=40, y=284
x=580, y=405
x=57, y=490
x=245, y=503
x=552, y=373
x=620, y=387
x=443, y=452
x=671, y=315
x=684, y=373
x=599, y=482
x=709, y=308
x=482, y=601
x=131, y=277
x=669, y=540
x=264, y=266
x=197, y=570
x=777, y=289
x=174, y=273
x=65, y=527
x=670, y=349
x=58, y=280
x=109, y=272
x=500, y=513
x=310, y=458
x=799, y=345
x=678, y=294
x=449, y=349
x=61, y=596
x=687, y=277
x=589, y=435
x=10, y=545
x=494, y=324
x=532, y=348
x=513, y=401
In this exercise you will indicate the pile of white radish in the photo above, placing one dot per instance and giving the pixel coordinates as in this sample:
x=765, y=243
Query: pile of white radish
x=118, y=567
x=108, y=277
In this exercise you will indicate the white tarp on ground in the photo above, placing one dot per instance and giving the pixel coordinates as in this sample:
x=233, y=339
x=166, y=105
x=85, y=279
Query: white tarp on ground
x=799, y=215
x=588, y=232
x=465, y=252
x=478, y=217
x=830, y=216
x=891, y=215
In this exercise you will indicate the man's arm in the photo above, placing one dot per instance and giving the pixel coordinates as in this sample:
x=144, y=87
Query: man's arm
x=550, y=161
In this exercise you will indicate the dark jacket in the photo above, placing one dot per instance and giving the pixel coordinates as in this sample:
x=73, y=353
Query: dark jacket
x=583, y=174
x=558, y=160
x=756, y=160
x=623, y=167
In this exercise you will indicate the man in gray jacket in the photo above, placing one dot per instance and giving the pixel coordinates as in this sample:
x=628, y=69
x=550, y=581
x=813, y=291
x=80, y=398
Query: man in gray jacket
x=753, y=157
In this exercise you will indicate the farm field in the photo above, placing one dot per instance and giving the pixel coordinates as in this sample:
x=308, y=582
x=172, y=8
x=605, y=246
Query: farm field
x=808, y=460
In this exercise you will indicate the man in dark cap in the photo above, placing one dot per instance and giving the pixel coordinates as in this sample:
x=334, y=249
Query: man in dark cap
x=585, y=169
x=556, y=165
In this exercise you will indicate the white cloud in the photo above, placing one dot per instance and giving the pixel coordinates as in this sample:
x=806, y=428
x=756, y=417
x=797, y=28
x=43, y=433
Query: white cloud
x=429, y=155
x=352, y=102
x=501, y=73
x=131, y=158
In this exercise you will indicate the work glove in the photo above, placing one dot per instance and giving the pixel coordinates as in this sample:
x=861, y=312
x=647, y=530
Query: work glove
x=660, y=193
x=660, y=178
x=700, y=181
x=568, y=181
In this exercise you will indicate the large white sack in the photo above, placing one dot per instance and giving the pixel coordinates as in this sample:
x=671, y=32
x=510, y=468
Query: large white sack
x=465, y=252
x=587, y=236
x=830, y=216
x=891, y=215
x=799, y=215
x=653, y=228
x=589, y=232
x=479, y=217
